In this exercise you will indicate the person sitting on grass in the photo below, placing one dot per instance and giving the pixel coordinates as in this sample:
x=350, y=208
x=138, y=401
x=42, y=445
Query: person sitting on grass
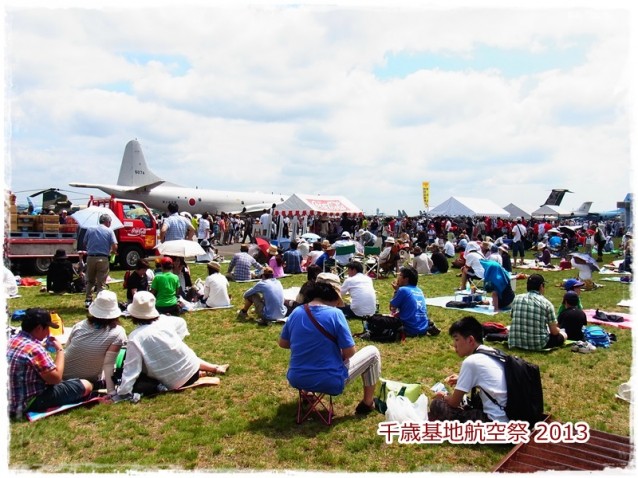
x=534, y=325
x=575, y=286
x=363, y=297
x=440, y=264
x=303, y=295
x=215, y=287
x=421, y=262
x=137, y=279
x=93, y=345
x=166, y=288
x=292, y=259
x=267, y=296
x=60, y=274
x=35, y=379
x=156, y=357
x=477, y=370
x=572, y=319
x=327, y=362
x=408, y=303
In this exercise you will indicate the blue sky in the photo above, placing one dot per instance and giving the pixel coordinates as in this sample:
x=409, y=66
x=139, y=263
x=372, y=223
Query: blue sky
x=365, y=101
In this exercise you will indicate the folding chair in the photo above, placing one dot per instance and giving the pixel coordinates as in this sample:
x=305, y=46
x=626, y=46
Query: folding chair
x=312, y=403
x=371, y=260
x=340, y=269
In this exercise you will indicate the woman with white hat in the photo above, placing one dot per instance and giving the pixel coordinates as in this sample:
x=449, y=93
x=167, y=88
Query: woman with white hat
x=323, y=356
x=94, y=343
x=156, y=347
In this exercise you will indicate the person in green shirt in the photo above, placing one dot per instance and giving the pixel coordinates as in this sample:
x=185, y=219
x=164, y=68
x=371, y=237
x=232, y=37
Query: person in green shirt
x=573, y=285
x=166, y=289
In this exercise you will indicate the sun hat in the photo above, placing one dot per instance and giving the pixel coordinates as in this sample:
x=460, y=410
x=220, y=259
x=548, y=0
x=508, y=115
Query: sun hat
x=389, y=240
x=214, y=265
x=504, y=247
x=105, y=306
x=345, y=235
x=273, y=250
x=325, y=244
x=333, y=281
x=143, y=306
x=60, y=254
x=569, y=284
x=541, y=245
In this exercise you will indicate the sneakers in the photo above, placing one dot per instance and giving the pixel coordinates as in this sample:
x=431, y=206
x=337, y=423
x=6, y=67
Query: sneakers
x=87, y=303
x=583, y=347
x=241, y=315
x=433, y=330
x=364, y=409
x=263, y=323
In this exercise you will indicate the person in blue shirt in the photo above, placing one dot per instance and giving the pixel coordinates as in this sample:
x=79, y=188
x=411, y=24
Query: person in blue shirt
x=268, y=298
x=323, y=356
x=292, y=259
x=408, y=303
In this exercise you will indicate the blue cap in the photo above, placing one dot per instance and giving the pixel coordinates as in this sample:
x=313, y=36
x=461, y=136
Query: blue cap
x=571, y=283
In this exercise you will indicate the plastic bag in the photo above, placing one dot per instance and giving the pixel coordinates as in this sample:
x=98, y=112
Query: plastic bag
x=401, y=409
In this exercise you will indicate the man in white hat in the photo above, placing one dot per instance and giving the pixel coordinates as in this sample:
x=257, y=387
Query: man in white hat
x=344, y=241
x=156, y=346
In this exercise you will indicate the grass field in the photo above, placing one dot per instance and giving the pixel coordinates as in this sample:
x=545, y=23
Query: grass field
x=248, y=422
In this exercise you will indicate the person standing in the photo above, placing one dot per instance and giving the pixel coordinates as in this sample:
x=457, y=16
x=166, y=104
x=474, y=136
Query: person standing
x=203, y=228
x=519, y=231
x=99, y=243
x=176, y=227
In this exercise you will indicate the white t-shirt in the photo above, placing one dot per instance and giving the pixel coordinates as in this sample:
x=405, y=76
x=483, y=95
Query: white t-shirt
x=314, y=255
x=362, y=294
x=517, y=231
x=448, y=249
x=216, y=290
x=473, y=260
x=478, y=370
x=422, y=263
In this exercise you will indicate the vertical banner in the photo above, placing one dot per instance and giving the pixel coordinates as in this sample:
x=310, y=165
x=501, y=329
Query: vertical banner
x=426, y=193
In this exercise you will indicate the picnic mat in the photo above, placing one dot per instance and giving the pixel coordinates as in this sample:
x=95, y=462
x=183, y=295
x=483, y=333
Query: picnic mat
x=34, y=416
x=205, y=307
x=609, y=270
x=441, y=301
x=531, y=265
x=624, y=303
x=616, y=279
x=627, y=324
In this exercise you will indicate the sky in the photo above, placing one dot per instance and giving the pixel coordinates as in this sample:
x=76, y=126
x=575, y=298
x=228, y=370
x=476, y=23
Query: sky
x=496, y=100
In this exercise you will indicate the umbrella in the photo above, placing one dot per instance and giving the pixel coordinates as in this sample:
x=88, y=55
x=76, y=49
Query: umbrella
x=570, y=231
x=311, y=237
x=90, y=216
x=589, y=260
x=263, y=245
x=180, y=248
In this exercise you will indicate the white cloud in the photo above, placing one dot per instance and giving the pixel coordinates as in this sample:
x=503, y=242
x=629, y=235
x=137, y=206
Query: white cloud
x=285, y=99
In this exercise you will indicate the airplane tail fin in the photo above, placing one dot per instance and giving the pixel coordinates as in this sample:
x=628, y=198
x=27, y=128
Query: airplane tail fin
x=555, y=197
x=134, y=170
x=584, y=208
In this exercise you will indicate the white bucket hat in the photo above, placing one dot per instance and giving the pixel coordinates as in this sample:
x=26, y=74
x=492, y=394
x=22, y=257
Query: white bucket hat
x=105, y=306
x=143, y=306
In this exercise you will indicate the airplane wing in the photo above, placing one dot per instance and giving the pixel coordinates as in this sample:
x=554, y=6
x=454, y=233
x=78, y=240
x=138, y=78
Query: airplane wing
x=117, y=188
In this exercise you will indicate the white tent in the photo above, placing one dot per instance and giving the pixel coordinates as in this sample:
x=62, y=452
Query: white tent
x=306, y=204
x=551, y=211
x=516, y=211
x=463, y=206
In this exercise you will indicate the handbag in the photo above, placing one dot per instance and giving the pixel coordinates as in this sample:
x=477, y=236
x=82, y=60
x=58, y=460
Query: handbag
x=411, y=391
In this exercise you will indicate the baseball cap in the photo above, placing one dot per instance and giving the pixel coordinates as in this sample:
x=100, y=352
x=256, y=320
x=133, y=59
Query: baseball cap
x=569, y=284
x=37, y=316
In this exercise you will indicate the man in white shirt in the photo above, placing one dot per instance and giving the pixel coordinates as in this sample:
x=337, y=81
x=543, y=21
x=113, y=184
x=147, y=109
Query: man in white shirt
x=343, y=242
x=363, y=297
x=519, y=231
x=448, y=248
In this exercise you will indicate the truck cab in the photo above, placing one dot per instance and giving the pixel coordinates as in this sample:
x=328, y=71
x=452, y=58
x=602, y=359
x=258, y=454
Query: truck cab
x=138, y=237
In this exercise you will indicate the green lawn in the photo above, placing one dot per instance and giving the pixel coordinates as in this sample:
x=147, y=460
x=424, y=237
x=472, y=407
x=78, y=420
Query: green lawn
x=248, y=422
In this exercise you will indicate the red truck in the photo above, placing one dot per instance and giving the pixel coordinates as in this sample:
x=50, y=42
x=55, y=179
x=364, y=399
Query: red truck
x=31, y=241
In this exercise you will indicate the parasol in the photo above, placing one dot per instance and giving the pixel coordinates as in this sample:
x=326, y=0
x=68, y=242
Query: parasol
x=90, y=216
x=181, y=248
x=311, y=237
x=586, y=259
x=263, y=245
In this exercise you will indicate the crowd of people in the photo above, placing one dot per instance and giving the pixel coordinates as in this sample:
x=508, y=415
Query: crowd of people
x=323, y=356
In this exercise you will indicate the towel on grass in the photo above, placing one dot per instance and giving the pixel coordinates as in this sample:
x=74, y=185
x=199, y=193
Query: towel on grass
x=442, y=301
x=626, y=324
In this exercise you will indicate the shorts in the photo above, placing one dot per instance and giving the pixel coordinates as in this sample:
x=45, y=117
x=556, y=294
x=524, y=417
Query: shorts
x=520, y=247
x=63, y=393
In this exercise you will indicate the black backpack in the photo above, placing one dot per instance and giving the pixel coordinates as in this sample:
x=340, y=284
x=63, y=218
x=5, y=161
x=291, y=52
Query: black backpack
x=524, y=387
x=382, y=328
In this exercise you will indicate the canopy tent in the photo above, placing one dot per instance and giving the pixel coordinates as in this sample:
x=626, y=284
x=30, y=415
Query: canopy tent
x=306, y=204
x=551, y=211
x=516, y=211
x=464, y=206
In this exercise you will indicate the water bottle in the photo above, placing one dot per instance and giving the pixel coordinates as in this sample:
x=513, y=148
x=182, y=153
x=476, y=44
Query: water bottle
x=49, y=345
x=467, y=287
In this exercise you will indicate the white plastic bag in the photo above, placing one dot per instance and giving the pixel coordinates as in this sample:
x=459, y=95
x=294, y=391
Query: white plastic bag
x=401, y=409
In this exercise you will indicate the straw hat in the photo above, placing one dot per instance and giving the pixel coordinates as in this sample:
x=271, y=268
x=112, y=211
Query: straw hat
x=143, y=306
x=333, y=281
x=105, y=306
x=273, y=250
x=214, y=265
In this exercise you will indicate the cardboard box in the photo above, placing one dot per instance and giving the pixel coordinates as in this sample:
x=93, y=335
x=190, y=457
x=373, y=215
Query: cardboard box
x=47, y=219
x=26, y=219
x=50, y=228
x=68, y=228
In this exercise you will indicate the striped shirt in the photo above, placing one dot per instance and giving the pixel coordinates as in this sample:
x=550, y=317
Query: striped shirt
x=86, y=348
x=531, y=315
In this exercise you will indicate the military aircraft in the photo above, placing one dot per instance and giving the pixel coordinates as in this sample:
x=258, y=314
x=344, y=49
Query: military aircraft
x=137, y=181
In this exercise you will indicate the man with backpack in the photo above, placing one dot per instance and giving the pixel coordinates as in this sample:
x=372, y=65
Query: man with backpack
x=477, y=370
